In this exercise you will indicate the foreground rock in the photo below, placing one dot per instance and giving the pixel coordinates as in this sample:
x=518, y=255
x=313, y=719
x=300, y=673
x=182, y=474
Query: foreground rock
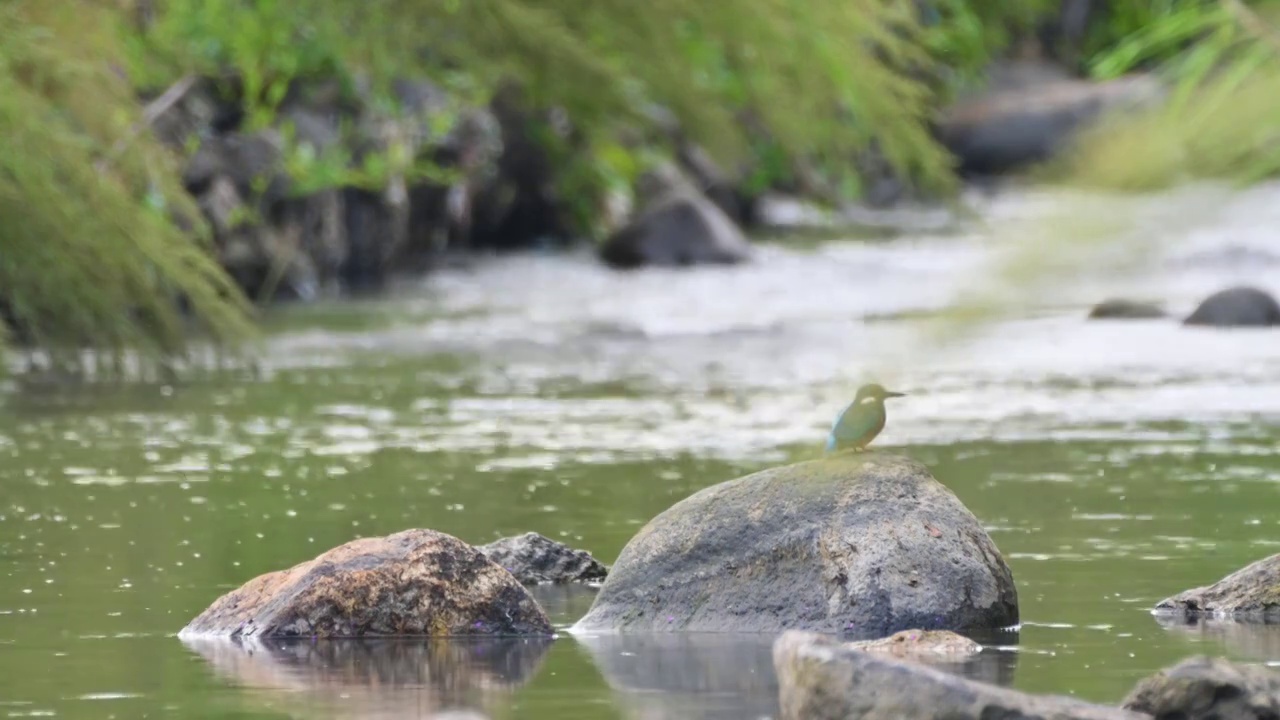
x=534, y=559
x=1030, y=113
x=416, y=582
x=680, y=228
x=1202, y=688
x=1122, y=309
x=1237, y=307
x=864, y=544
x=819, y=679
x=1250, y=593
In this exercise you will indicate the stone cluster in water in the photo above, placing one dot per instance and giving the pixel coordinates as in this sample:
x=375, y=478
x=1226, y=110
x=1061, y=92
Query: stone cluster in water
x=868, y=545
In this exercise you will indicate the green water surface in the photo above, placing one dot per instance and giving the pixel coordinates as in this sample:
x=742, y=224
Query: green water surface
x=125, y=512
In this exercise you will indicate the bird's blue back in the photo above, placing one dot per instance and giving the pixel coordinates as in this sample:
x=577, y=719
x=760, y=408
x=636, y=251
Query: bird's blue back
x=855, y=423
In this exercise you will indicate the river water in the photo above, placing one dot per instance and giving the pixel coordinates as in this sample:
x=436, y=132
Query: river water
x=1114, y=463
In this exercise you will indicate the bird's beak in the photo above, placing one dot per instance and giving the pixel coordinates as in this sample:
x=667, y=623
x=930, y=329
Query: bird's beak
x=894, y=394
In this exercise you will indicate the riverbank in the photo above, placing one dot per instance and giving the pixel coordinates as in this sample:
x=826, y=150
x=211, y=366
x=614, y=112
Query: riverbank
x=497, y=186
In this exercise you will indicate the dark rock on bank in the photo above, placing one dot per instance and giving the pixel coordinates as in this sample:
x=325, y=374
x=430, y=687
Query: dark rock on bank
x=820, y=679
x=1252, y=592
x=682, y=228
x=862, y=544
x=1122, y=309
x=280, y=238
x=1030, y=112
x=1237, y=307
x=416, y=582
x=1202, y=688
x=676, y=227
x=535, y=559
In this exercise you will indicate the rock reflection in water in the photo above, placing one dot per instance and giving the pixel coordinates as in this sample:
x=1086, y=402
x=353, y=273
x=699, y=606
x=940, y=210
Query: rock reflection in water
x=1255, y=640
x=383, y=678
x=564, y=603
x=722, y=675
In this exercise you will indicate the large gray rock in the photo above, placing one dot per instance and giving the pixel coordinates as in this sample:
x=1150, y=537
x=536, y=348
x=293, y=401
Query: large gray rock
x=1237, y=307
x=1202, y=688
x=534, y=559
x=864, y=544
x=1249, y=593
x=819, y=679
x=416, y=582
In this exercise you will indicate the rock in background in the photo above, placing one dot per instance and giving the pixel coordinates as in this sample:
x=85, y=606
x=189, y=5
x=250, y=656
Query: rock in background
x=1029, y=112
x=534, y=559
x=1237, y=307
x=1253, y=592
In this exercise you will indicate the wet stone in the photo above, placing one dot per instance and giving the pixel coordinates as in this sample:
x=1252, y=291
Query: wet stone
x=862, y=544
x=412, y=583
x=536, y=559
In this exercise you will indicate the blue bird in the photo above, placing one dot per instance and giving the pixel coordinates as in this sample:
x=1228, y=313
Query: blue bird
x=862, y=420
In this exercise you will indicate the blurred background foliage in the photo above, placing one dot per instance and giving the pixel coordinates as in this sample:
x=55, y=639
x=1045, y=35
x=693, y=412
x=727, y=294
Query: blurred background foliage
x=101, y=246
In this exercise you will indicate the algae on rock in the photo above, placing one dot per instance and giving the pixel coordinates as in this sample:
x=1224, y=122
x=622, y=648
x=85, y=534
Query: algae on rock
x=863, y=544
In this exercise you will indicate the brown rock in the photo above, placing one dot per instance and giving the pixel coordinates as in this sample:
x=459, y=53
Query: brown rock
x=416, y=582
x=820, y=679
x=1202, y=688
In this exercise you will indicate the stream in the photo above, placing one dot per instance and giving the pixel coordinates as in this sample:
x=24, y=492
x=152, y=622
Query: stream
x=1114, y=463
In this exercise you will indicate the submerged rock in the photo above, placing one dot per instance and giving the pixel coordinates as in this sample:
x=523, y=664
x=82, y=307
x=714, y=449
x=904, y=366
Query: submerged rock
x=864, y=544
x=534, y=559
x=820, y=679
x=1237, y=307
x=682, y=228
x=1122, y=309
x=1252, y=592
x=416, y=582
x=920, y=643
x=1202, y=688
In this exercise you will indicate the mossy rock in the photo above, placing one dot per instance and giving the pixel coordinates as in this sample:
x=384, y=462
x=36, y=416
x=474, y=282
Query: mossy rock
x=862, y=544
x=1251, y=593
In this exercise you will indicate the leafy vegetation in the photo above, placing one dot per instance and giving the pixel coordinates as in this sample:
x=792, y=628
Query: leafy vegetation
x=103, y=247
x=1221, y=61
x=89, y=252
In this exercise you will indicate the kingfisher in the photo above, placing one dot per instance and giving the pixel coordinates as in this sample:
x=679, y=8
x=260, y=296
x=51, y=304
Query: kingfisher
x=862, y=420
